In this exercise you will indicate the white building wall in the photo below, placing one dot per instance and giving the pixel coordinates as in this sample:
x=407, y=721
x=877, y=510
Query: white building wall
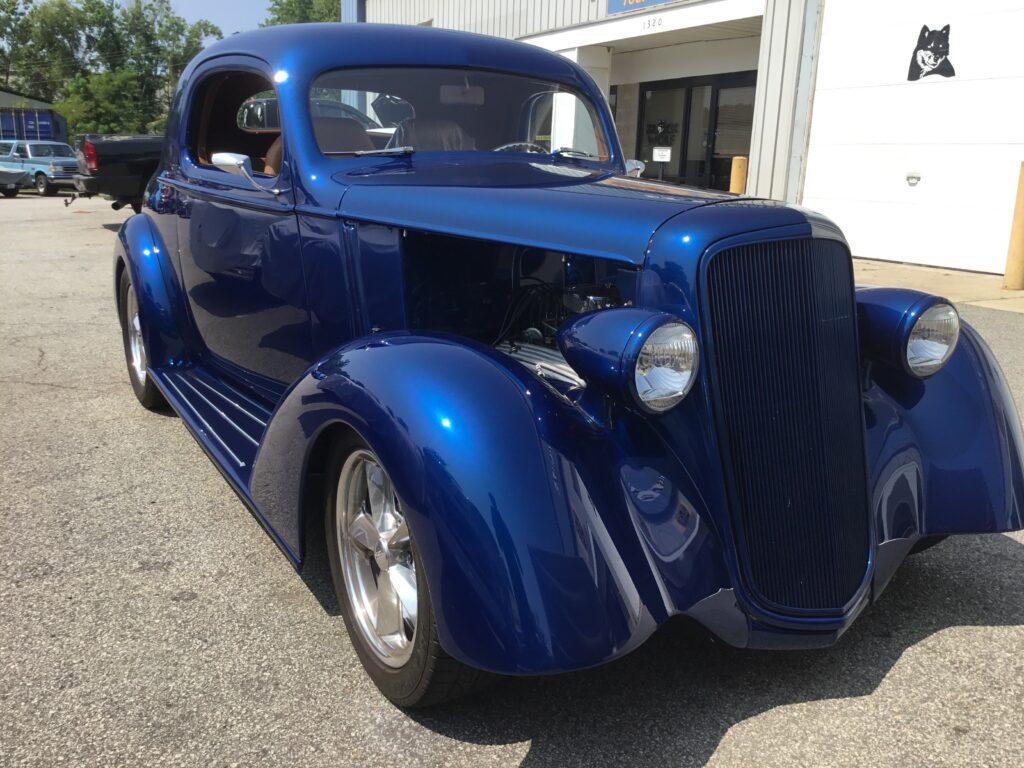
x=963, y=135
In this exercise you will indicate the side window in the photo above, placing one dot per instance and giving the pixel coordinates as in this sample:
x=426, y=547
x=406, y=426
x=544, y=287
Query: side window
x=236, y=112
x=5, y=148
x=20, y=151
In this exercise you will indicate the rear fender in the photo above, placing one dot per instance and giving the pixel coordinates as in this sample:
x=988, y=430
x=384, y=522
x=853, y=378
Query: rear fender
x=525, y=574
x=161, y=304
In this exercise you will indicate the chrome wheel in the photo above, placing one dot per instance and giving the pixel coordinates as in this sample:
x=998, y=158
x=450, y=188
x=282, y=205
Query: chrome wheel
x=376, y=554
x=136, y=346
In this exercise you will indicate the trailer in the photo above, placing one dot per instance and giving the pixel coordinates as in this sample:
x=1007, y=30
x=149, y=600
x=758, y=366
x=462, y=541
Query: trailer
x=31, y=124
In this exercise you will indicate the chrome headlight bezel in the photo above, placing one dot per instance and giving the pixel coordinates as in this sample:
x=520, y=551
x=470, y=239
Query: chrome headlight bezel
x=642, y=354
x=604, y=347
x=929, y=321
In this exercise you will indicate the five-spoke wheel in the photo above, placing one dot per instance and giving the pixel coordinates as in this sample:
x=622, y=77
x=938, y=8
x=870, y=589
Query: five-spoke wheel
x=380, y=583
x=377, y=558
x=135, y=346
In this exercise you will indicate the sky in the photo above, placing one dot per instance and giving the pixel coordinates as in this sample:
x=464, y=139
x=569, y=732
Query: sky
x=230, y=15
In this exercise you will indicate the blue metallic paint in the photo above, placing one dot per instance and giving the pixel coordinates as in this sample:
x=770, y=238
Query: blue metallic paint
x=556, y=532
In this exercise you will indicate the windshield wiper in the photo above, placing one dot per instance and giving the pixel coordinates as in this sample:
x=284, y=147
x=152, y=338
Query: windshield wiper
x=570, y=152
x=363, y=152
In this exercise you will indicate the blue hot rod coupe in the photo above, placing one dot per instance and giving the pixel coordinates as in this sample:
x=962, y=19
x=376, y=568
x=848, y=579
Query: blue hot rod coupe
x=546, y=405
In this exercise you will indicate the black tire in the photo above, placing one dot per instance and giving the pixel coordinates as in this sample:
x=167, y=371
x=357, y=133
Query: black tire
x=143, y=386
x=44, y=187
x=429, y=676
x=926, y=542
x=10, y=192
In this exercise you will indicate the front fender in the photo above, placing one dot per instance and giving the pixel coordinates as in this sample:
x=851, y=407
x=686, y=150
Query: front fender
x=946, y=452
x=161, y=304
x=525, y=573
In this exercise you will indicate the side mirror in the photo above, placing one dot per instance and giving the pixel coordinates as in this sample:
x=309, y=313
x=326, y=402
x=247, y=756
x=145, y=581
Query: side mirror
x=232, y=162
x=635, y=167
x=240, y=165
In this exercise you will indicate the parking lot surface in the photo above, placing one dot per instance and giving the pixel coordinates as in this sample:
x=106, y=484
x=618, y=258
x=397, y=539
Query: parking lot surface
x=147, y=619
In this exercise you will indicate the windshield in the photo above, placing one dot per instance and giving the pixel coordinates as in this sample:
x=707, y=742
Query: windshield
x=50, y=150
x=452, y=110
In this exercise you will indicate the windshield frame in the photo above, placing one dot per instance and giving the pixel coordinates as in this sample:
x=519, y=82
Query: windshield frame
x=601, y=120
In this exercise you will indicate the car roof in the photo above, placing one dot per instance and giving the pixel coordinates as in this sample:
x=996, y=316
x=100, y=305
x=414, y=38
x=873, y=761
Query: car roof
x=312, y=48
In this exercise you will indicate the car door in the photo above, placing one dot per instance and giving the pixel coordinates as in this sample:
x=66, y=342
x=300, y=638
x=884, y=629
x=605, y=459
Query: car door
x=19, y=156
x=238, y=237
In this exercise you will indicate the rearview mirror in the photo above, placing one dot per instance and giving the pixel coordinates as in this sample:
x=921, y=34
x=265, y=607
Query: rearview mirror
x=469, y=95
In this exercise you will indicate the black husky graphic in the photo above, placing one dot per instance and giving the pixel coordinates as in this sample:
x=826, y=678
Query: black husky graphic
x=931, y=56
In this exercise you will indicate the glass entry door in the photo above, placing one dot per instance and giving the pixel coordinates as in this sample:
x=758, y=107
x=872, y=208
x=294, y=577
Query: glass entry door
x=691, y=129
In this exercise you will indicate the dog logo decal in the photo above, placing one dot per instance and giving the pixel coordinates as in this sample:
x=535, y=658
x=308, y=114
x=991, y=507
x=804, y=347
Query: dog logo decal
x=931, y=55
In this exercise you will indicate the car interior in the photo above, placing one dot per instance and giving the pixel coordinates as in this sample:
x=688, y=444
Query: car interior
x=216, y=125
x=430, y=110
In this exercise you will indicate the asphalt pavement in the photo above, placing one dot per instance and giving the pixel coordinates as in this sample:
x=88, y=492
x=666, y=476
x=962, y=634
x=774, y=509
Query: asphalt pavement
x=146, y=618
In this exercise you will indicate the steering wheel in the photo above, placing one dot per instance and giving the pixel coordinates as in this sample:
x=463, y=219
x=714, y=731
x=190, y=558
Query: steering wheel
x=521, y=146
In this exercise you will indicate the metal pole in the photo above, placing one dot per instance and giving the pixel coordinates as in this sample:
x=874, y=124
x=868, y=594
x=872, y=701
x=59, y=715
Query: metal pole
x=738, y=175
x=1014, y=277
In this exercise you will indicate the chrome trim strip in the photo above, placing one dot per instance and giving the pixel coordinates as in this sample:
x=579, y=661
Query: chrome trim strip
x=220, y=394
x=223, y=415
x=204, y=422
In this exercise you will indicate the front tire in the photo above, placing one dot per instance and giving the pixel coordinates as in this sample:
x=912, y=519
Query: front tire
x=44, y=187
x=381, y=586
x=135, y=347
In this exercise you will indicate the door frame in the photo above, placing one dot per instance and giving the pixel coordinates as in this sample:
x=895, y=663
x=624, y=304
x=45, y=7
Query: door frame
x=717, y=82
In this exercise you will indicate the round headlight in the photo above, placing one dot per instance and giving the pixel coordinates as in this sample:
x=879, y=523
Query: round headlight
x=932, y=339
x=666, y=366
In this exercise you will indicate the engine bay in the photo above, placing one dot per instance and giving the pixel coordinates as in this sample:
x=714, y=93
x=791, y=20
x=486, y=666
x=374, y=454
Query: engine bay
x=510, y=297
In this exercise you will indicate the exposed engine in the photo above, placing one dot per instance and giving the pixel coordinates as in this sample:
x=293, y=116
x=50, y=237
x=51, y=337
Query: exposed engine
x=514, y=298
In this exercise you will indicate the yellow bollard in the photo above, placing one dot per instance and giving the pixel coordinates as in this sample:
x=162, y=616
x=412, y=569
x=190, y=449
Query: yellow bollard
x=738, y=177
x=1014, y=277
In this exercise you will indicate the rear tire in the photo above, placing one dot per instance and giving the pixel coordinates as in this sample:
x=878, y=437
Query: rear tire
x=408, y=665
x=44, y=187
x=135, y=347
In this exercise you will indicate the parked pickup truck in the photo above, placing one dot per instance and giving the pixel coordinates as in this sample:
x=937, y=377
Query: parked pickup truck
x=116, y=167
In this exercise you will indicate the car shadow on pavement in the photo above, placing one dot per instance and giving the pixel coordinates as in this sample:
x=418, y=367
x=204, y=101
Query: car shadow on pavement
x=673, y=700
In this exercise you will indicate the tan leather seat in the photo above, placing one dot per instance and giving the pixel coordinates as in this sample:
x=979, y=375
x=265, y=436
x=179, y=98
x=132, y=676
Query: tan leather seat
x=431, y=136
x=341, y=134
x=272, y=162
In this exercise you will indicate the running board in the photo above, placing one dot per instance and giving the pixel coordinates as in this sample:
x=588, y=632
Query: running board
x=227, y=423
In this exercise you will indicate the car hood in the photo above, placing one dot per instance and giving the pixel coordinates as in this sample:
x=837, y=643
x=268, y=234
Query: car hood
x=543, y=205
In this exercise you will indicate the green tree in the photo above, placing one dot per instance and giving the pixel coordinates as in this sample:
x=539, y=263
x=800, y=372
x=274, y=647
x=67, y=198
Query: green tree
x=50, y=50
x=13, y=33
x=302, y=11
x=111, y=65
x=104, y=38
x=107, y=102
